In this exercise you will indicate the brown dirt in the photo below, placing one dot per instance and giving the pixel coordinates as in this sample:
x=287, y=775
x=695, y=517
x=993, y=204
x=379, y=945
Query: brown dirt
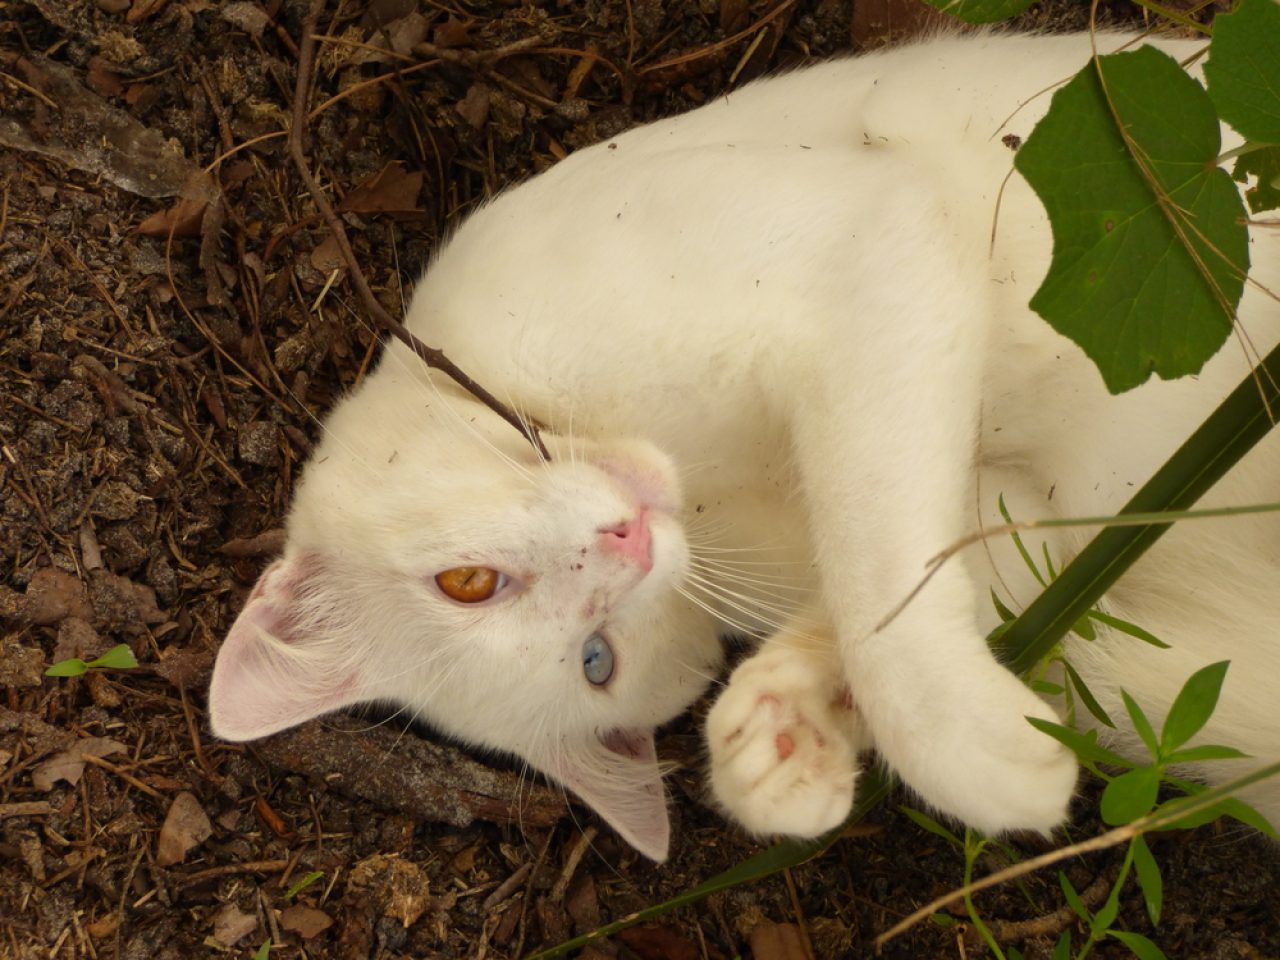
x=156, y=399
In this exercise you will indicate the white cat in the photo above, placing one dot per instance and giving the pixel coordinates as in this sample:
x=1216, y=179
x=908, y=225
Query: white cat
x=781, y=366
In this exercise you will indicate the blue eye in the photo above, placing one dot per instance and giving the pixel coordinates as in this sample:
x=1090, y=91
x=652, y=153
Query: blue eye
x=597, y=660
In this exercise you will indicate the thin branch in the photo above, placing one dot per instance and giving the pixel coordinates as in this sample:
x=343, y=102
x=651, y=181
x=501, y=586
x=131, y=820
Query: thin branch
x=1168, y=814
x=431, y=356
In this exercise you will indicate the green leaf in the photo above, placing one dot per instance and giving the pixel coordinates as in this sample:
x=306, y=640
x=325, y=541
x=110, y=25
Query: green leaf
x=1127, y=281
x=1017, y=542
x=1106, y=915
x=1207, y=752
x=981, y=11
x=1130, y=795
x=1086, y=696
x=1149, y=878
x=1132, y=629
x=1141, y=724
x=1264, y=165
x=1193, y=706
x=264, y=951
x=943, y=920
x=1083, y=745
x=72, y=667
x=1073, y=898
x=1083, y=628
x=302, y=884
x=1142, y=948
x=1005, y=612
x=926, y=822
x=1046, y=688
x=1062, y=951
x=119, y=657
x=1243, y=69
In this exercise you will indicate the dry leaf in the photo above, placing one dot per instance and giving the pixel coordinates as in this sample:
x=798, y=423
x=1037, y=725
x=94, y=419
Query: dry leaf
x=52, y=595
x=391, y=190
x=653, y=941
x=69, y=764
x=306, y=922
x=399, y=886
x=183, y=219
x=778, y=941
x=231, y=925
x=185, y=828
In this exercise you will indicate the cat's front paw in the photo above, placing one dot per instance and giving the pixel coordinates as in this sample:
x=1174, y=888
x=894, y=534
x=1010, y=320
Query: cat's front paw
x=783, y=739
x=987, y=766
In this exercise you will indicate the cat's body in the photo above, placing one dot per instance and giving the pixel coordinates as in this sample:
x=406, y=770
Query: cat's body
x=775, y=323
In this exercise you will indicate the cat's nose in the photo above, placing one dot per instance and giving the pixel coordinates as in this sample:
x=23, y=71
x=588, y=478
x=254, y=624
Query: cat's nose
x=631, y=539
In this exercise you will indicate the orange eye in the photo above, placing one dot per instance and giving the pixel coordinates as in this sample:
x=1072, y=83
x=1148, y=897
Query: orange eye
x=470, y=584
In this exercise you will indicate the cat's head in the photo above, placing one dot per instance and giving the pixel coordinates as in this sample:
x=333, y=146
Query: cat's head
x=433, y=561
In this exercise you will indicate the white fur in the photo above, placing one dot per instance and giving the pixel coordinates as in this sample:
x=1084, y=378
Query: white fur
x=787, y=298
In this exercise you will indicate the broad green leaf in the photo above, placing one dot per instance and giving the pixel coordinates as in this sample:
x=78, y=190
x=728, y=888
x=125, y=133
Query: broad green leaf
x=981, y=11
x=1073, y=898
x=263, y=951
x=1141, y=724
x=1132, y=629
x=1083, y=745
x=1130, y=795
x=1149, y=878
x=1193, y=706
x=71, y=667
x=1243, y=69
x=1086, y=696
x=1207, y=752
x=1142, y=948
x=1127, y=281
x=1063, y=949
x=926, y=822
x=119, y=657
x=1264, y=165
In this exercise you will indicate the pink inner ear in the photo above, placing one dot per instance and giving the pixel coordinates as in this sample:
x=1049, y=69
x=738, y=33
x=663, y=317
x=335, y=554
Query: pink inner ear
x=619, y=779
x=259, y=685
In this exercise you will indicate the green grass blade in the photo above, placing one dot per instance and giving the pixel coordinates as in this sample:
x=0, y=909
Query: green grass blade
x=873, y=788
x=1222, y=440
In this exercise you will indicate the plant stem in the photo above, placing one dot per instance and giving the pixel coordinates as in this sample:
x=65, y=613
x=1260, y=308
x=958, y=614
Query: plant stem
x=1222, y=440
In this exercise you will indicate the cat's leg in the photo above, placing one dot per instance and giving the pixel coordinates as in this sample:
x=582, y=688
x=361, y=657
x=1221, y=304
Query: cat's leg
x=885, y=430
x=784, y=736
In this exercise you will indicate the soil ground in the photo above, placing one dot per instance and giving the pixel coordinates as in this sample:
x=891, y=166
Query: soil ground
x=157, y=396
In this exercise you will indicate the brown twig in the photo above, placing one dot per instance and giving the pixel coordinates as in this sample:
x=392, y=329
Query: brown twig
x=431, y=356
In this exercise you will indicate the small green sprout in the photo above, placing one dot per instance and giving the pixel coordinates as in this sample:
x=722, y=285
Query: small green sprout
x=119, y=657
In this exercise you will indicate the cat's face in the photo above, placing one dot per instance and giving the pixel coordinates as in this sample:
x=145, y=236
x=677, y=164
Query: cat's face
x=433, y=561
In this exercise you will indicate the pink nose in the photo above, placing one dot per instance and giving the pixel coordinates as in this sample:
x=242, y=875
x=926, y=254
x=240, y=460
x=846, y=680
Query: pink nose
x=631, y=539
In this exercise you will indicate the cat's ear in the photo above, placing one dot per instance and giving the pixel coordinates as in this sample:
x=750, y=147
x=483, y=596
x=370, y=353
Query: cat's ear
x=282, y=662
x=621, y=781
